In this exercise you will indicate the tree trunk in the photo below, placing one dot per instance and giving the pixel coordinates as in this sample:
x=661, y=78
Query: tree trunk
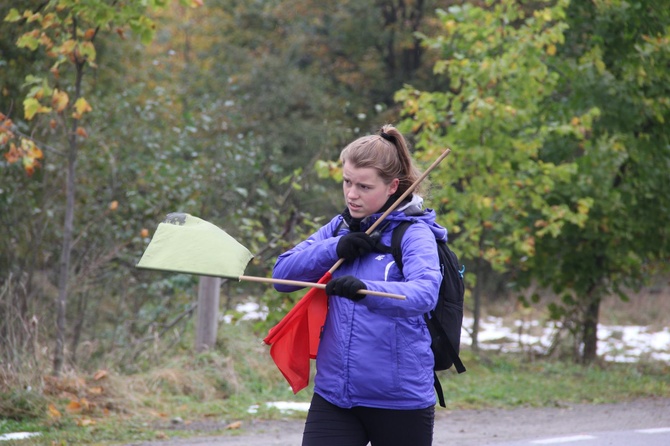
x=68, y=228
x=476, y=296
x=590, y=331
x=480, y=283
x=66, y=250
x=208, y=312
x=82, y=305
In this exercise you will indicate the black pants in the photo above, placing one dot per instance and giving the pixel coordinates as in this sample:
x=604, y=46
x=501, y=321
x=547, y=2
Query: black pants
x=329, y=425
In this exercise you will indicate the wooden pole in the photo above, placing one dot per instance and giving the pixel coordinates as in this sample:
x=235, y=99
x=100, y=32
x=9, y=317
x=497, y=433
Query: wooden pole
x=208, y=312
x=315, y=285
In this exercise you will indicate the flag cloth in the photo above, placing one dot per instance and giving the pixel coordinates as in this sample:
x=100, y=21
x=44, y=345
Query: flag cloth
x=295, y=339
x=187, y=244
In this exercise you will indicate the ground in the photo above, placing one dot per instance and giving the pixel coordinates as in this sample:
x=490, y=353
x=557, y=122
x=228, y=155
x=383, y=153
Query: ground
x=473, y=427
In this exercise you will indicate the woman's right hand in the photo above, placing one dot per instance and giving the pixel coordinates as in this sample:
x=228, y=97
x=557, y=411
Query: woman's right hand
x=354, y=244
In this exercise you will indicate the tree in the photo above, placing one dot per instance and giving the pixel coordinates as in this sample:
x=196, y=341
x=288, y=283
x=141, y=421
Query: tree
x=614, y=61
x=556, y=115
x=65, y=31
x=496, y=194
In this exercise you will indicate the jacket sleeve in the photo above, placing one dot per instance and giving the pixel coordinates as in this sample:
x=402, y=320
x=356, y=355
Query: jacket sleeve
x=309, y=260
x=422, y=277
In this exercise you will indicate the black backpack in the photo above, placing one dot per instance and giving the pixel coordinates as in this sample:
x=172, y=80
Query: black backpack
x=445, y=321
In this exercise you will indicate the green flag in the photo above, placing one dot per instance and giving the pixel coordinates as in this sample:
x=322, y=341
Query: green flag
x=187, y=244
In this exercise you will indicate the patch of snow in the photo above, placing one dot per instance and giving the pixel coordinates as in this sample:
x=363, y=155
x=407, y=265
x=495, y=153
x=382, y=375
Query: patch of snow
x=283, y=406
x=617, y=343
x=18, y=436
x=250, y=311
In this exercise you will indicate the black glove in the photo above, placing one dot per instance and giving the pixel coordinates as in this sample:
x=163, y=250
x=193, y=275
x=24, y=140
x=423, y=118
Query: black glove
x=346, y=286
x=354, y=244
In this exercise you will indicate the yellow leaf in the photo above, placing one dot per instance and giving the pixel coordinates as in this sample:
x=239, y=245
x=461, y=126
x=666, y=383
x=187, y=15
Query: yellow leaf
x=68, y=47
x=13, y=155
x=53, y=412
x=551, y=50
x=34, y=17
x=35, y=153
x=29, y=165
x=95, y=390
x=59, y=100
x=32, y=106
x=103, y=373
x=81, y=132
x=234, y=425
x=583, y=207
x=74, y=406
x=85, y=422
x=46, y=41
x=82, y=106
x=49, y=20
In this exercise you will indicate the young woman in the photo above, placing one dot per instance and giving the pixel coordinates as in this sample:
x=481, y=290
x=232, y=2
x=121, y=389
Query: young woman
x=374, y=379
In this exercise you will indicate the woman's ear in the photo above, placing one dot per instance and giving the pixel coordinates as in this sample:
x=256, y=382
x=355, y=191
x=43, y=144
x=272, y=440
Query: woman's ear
x=393, y=187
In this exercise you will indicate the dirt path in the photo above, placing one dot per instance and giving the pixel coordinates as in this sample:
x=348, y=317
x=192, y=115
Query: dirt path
x=473, y=427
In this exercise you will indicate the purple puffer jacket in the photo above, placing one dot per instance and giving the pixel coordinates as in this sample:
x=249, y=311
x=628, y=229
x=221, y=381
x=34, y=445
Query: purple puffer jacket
x=375, y=352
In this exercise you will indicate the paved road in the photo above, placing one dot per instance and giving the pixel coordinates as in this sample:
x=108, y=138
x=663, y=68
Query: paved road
x=642, y=437
x=643, y=422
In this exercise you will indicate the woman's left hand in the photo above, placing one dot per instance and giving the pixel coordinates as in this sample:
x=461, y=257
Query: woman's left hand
x=346, y=286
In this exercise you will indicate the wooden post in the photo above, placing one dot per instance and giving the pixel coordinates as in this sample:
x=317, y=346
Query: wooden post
x=208, y=312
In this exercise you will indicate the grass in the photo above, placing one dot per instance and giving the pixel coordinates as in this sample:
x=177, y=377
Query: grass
x=186, y=394
x=505, y=381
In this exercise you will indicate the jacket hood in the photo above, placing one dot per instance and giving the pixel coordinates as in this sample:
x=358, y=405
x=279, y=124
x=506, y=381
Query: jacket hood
x=409, y=210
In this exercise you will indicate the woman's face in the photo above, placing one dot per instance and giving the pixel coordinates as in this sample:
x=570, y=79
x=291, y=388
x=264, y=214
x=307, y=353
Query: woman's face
x=364, y=190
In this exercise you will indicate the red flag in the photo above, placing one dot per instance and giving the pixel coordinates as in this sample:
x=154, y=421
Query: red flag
x=295, y=339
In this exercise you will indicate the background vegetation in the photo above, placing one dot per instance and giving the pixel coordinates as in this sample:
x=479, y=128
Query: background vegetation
x=115, y=114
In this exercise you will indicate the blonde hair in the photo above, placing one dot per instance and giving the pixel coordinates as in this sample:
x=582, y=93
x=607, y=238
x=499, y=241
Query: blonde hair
x=388, y=153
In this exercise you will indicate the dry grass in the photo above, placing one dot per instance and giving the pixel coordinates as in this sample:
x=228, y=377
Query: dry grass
x=648, y=307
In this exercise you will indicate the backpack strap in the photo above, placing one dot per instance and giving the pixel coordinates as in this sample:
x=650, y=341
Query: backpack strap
x=438, y=390
x=396, y=240
x=458, y=364
x=338, y=227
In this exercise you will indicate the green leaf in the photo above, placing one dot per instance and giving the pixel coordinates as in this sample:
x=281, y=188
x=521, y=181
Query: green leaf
x=28, y=41
x=13, y=16
x=87, y=49
x=32, y=106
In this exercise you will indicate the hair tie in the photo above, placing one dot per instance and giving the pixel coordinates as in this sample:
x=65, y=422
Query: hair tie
x=387, y=137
